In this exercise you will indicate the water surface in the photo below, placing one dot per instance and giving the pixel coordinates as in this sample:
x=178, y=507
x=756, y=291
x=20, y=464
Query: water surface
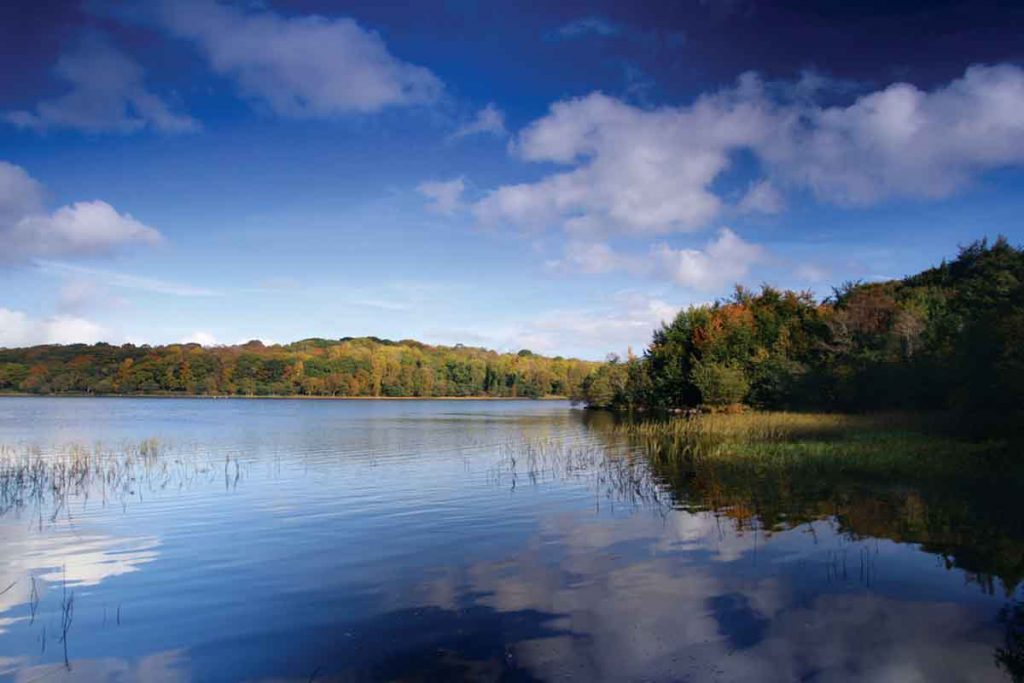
x=486, y=540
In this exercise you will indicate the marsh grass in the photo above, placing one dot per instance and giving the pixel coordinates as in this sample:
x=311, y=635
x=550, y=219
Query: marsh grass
x=879, y=445
x=49, y=481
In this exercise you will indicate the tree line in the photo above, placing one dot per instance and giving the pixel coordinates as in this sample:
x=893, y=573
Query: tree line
x=950, y=337
x=368, y=367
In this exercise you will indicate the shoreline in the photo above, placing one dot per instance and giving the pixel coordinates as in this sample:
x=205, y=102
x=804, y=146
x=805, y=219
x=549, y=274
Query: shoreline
x=277, y=397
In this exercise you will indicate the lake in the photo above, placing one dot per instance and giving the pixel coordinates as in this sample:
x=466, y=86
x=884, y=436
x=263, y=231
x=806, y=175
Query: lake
x=166, y=539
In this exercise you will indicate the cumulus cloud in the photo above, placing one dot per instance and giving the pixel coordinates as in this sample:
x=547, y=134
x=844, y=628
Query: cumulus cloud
x=445, y=196
x=19, y=329
x=903, y=141
x=635, y=171
x=303, y=66
x=724, y=261
x=490, y=120
x=27, y=229
x=107, y=94
x=631, y=170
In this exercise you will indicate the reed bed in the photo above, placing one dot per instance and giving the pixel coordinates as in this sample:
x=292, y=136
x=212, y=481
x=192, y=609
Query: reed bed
x=30, y=477
x=870, y=444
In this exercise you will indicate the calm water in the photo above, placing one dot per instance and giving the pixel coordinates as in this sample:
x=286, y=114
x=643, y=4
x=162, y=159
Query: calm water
x=351, y=540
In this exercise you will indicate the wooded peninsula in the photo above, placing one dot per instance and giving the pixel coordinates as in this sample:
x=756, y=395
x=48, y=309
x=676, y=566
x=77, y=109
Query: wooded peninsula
x=949, y=338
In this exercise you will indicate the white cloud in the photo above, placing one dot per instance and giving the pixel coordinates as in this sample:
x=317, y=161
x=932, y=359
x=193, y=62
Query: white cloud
x=489, y=120
x=592, y=257
x=445, y=195
x=20, y=194
x=81, y=227
x=634, y=171
x=19, y=329
x=597, y=26
x=201, y=338
x=27, y=229
x=303, y=66
x=904, y=142
x=107, y=94
x=724, y=261
x=762, y=197
x=626, y=320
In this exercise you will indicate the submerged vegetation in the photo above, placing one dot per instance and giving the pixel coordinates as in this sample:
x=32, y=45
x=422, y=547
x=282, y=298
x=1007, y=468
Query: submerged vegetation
x=949, y=338
x=365, y=366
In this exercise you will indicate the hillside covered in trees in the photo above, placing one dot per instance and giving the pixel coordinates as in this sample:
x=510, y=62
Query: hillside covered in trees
x=312, y=367
x=951, y=337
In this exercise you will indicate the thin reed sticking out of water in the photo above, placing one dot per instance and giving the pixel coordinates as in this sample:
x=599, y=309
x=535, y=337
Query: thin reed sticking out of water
x=28, y=477
x=618, y=475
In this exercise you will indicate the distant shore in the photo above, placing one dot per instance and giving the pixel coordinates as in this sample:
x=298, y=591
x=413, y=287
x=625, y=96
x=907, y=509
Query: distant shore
x=15, y=394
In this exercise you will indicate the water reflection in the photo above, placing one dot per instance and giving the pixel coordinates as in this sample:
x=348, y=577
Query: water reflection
x=970, y=520
x=1011, y=655
x=487, y=542
x=162, y=667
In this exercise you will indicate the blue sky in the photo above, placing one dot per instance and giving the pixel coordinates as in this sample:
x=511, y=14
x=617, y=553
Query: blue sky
x=511, y=175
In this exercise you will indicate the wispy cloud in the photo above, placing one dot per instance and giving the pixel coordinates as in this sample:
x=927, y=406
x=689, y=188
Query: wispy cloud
x=490, y=120
x=624, y=322
x=445, y=196
x=594, y=25
x=127, y=281
x=762, y=197
x=107, y=94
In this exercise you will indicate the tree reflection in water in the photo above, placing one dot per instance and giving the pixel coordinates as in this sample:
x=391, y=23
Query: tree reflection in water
x=961, y=513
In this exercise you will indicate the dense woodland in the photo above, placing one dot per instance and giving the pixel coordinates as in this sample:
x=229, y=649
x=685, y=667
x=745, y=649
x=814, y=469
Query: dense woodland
x=312, y=367
x=951, y=337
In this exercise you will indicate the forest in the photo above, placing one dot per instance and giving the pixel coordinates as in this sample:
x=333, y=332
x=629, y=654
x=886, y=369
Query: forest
x=949, y=338
x=356, y=367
